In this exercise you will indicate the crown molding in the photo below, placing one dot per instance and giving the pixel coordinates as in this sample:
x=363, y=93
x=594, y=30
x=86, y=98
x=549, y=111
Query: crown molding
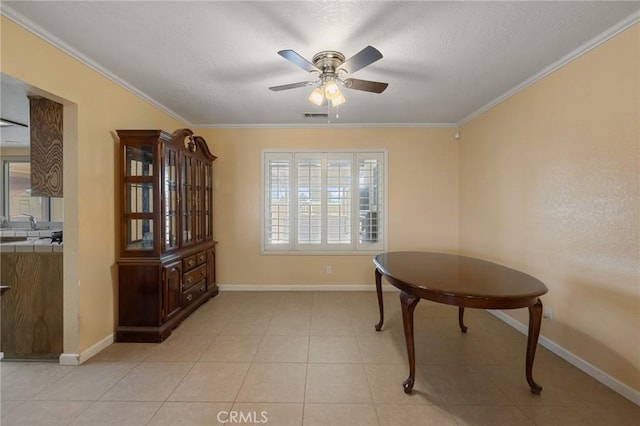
x=34, y=28
x=575, y=54
x=319, y=125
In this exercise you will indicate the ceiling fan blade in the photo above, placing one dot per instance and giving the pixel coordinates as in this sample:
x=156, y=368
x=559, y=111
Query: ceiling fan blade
x=365, y=57
x=366, y=85
x=295, y=58
x=291, y=86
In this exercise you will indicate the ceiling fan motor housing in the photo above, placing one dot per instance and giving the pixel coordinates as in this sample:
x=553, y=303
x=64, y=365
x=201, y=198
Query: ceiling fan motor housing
x=328, y=62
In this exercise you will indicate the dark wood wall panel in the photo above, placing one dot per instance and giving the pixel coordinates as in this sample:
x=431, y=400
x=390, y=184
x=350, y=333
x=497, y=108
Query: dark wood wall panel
x=46, y=147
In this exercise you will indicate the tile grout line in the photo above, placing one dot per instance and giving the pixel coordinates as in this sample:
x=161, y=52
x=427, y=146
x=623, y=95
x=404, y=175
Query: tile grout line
x=251, y=362
x=364, y=369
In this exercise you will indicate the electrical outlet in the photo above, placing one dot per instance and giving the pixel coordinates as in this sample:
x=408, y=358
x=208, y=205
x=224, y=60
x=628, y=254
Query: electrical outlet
x=328, y=270
x=548, y=313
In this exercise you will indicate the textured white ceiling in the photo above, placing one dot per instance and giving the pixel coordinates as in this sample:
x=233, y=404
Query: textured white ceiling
x=210, y=63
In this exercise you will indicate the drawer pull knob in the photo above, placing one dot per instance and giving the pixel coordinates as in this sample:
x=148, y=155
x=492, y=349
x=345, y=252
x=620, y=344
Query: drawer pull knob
x=202, y=289
x=189, y=297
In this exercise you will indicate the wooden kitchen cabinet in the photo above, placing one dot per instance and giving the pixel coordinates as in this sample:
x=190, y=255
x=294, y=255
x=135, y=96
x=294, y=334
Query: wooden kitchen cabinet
x=31, y=311
x=166, y=266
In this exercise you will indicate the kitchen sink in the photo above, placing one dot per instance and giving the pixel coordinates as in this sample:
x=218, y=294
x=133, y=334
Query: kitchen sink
x=11, y=239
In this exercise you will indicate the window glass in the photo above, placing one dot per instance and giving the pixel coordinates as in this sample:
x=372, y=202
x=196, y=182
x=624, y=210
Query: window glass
x=17, y=200
x=309, y=189
x=323, y=201
x=278, y=201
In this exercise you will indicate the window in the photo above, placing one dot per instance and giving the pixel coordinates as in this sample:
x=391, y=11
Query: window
x=324, y=201
x=17, y=202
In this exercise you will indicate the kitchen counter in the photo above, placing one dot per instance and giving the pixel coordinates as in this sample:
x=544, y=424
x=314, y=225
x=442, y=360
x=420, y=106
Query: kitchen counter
x=38, y=241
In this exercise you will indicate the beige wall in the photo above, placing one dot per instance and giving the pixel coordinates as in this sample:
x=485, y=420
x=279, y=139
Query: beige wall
x=546, y=182
x=423, y=199
x=94, y=108
x=550, y=185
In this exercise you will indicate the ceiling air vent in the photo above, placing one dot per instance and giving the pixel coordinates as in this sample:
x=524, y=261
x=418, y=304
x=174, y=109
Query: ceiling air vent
x=315, y=115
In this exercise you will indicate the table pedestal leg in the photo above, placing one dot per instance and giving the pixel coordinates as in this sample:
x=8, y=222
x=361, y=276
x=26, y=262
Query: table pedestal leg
x=380, y=303
x=461, y=319
x=535, y=320
x=408, y=303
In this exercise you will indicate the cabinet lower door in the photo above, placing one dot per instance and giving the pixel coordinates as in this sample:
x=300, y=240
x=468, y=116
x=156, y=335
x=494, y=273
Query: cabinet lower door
x=172, y=297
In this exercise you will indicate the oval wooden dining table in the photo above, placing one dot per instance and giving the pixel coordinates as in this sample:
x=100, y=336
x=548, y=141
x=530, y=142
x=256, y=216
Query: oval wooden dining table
x=461, y=281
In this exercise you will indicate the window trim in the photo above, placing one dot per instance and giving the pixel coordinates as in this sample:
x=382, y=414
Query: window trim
x=292, y=248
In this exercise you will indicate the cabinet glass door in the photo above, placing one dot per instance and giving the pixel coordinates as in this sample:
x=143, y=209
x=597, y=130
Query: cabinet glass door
x=139, y=197
x=171, y=199
x=139, y=234
x=198, y=181
x=187, y=200
x=138, y=194
x=207, y=202
x=138, y=160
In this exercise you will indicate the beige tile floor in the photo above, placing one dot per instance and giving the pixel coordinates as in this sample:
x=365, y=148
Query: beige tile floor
x=312, y=359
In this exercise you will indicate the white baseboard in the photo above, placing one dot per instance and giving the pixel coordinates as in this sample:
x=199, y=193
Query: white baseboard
x=69, y=359
x=303, y=287
x=77, y=359
x=93, y=350
x=593, y=371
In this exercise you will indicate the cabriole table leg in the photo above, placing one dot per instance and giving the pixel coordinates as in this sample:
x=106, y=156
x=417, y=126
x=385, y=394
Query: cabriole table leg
x=380, y=303
x=463, y=327
x=408, y=303
x=535, y=321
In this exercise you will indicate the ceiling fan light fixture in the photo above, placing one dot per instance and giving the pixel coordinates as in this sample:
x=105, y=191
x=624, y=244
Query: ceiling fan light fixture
x=338, y=100
x=317, y=96
x=331, y=90
x=327, y=66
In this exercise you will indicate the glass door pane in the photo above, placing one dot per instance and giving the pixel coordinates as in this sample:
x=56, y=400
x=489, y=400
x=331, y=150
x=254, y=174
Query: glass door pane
x=207, y=202
x=198, y=199
x=139, y=197
x=187, y=200
x=138, y=160
x=171, y=199
x=139, y=234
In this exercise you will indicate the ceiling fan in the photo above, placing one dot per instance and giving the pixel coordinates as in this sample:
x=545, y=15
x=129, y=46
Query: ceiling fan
x=330, y=67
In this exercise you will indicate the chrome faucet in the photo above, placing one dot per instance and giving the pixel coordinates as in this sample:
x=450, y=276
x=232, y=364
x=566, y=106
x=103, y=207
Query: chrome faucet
x=32, y=220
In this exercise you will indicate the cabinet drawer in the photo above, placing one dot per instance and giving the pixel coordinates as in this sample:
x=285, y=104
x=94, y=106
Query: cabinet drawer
x=193, y=261
x=189, y=263
x=194, y=293
x=193, y=276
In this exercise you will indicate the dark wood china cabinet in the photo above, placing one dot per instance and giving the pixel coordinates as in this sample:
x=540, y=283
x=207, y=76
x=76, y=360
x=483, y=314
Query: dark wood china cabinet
x=166, y=267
